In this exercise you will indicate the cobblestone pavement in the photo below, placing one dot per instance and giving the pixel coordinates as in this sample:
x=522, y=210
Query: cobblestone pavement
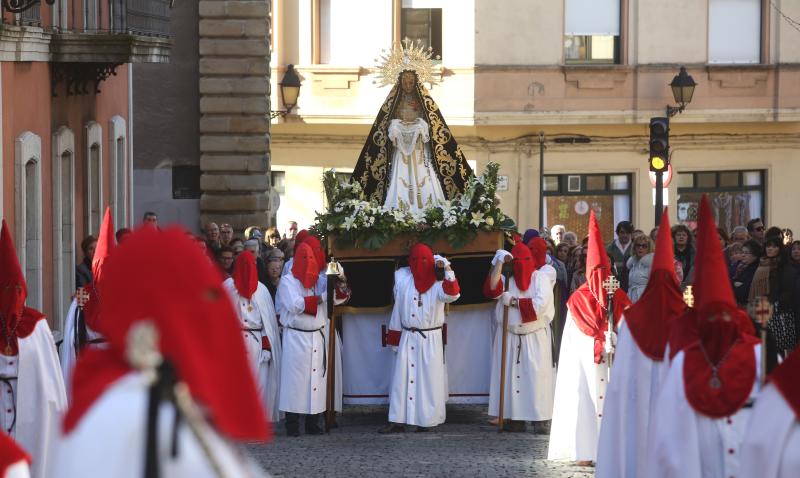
x=465, y=446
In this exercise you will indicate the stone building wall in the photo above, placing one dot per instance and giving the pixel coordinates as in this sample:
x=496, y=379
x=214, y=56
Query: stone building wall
x=234, y=111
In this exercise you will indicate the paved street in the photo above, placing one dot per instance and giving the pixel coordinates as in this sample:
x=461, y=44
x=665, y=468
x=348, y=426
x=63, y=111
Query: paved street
x=465, y=446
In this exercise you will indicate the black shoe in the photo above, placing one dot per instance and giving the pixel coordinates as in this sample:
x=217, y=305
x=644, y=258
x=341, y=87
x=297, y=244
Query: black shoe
x=541, y=428
x=293, y=432
x=514, y=426
x=423, y=429
x=392, y=428
x=292, y=424
x=312, y=425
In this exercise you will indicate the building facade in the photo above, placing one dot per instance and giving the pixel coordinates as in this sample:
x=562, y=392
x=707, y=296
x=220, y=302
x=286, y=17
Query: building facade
x=571, y=84
x=65, y=128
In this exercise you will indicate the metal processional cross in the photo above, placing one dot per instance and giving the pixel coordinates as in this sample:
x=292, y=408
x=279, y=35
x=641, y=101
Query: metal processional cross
x=611, y=285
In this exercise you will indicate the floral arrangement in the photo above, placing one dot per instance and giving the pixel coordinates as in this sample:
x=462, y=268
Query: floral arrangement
x=354, y=220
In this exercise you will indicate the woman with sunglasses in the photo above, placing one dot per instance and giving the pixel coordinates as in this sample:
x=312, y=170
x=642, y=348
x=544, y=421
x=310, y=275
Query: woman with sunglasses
x=639, y=266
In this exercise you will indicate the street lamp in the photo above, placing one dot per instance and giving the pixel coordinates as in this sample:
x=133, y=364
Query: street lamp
x=290, y=90
x=659, y=159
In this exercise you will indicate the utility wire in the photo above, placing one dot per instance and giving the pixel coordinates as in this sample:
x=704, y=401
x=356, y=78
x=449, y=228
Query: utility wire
x=795, y=24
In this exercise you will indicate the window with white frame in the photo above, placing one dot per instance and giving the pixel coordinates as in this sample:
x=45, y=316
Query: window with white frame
x=63, y=170
x=341, y=33
x=421, y=22
x=592, y=31
x=734, y=31
x=28, y=217
x=94, y=177
x=119, y=170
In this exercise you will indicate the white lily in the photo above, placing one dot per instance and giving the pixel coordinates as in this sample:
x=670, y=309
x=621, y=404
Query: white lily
x=477, y=219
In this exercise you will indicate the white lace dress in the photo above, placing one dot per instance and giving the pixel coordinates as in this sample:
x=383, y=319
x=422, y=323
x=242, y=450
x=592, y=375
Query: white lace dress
x=414, y=185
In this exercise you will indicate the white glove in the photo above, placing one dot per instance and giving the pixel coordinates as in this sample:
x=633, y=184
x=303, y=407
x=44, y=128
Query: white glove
x=265, y=357
x=506, y=298
x=437, y=258
x=610, y=342
x=500, y=257
x=341, y=275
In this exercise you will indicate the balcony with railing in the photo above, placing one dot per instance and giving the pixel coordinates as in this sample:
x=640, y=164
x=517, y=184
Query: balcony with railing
x=91, y=31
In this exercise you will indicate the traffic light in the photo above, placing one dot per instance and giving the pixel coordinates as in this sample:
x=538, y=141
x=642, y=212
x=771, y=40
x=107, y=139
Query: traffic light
x=659, y=144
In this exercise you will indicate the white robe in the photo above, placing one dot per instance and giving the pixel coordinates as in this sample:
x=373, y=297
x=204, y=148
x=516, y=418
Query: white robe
x=68, y=351
x=266, y=367
x=580, y=393
x=40, y=397
x=630, y=400
x=303, y=365
x=109, y=441
x=529, y=383
x=686, y=444
x=771, y=446
x=419, y=381
x=414, y=185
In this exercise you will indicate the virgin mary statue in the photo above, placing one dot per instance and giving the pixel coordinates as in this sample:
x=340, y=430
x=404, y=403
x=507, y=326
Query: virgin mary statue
x=410, y=160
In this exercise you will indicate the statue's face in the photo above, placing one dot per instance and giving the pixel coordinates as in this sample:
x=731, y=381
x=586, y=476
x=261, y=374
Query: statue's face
x=407, y=82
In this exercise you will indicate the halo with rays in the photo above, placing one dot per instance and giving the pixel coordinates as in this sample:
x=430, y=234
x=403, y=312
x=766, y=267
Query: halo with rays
x=406, y=57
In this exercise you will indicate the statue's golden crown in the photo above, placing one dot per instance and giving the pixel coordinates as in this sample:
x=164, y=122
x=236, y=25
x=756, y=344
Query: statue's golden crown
x=406, y=57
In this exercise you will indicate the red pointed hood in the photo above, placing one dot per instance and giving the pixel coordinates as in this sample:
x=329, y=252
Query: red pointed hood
x=420, y=261
x=245, y=275
x=319, y=252
x=649, y=319
x=538, y=248
x=785, y=378
x=722, y=339
x=105, y=246
x=11, y=453
x=304, y=266
x=13, y=289
x=598, y=266
x=164, y=279
x=300, y=238
x=588, y=305
x=523, y=266
x=13, y=292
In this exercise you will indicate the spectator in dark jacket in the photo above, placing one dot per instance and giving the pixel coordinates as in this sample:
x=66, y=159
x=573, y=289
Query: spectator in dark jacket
x=684, y=251
x=789, y=288
x=743, y=278
x=83, y=271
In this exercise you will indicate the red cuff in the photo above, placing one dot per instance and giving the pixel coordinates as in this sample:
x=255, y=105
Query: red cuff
x=492, y=292
x=265, y=345
x=527, y=311
x=311, y=305
x=393, y=338
x=343, y=292
x=451, y=287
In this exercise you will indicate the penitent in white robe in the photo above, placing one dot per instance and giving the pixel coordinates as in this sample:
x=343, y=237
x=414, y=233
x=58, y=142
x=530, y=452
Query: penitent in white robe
x=305, y=346
x=580, y=394
x=419, y=381
x=257, y=320
x=414, y=185
x=771, y=446
x=68, y=351
x=40, y=397
x=110, y=441
x=629, y=404
x=529, y=356
x=685, y=444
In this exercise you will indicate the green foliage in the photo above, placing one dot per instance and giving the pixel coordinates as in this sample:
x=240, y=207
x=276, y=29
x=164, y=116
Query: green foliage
x=357, y=222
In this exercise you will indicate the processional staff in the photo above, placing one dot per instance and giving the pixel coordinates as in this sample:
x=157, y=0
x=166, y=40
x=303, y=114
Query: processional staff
x=332, y=272
x=507, y=270
x=611, y=285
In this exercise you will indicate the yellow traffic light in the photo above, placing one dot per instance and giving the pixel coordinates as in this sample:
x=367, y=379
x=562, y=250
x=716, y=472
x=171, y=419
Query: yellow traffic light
x=657, y=163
